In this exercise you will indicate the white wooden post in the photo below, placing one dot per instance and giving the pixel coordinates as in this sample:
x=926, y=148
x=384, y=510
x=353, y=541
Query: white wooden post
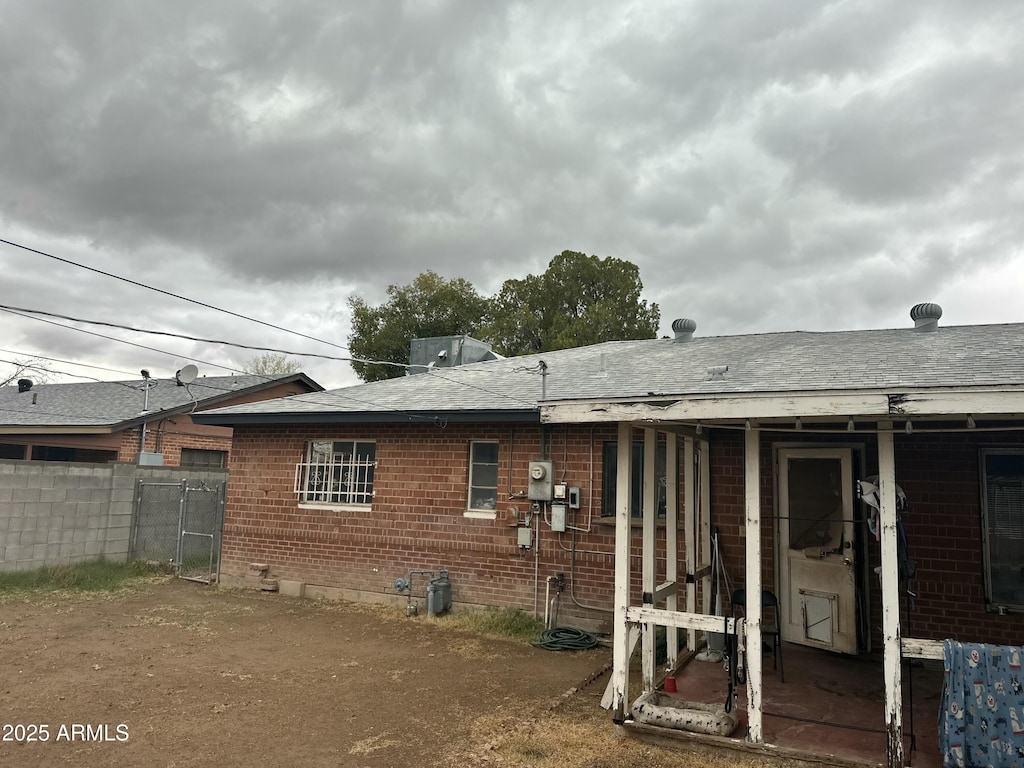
x=704, y=515
x=890, y=597
x=622, y=650
x=672, y=540
x=691, y=534
x=752, y=486
x=648, y=556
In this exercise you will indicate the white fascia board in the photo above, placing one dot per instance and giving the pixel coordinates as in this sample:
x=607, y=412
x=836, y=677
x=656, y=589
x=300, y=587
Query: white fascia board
x=1002, y=401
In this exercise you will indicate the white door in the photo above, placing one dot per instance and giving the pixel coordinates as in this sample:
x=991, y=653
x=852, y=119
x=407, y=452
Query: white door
x=817, y=569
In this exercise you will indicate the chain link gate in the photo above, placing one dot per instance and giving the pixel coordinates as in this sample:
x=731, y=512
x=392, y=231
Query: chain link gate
x=179, y=524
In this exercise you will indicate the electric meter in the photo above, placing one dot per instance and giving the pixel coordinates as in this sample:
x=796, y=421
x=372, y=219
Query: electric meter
x=541, y=480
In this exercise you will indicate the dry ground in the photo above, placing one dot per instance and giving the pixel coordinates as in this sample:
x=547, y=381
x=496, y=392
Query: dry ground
x=173, y=673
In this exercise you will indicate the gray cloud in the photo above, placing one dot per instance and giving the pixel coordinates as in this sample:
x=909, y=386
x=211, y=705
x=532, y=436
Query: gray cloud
x=812, y=165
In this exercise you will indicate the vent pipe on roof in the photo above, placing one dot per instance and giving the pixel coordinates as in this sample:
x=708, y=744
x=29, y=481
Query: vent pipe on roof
x=926, y=317
x=24, y=385
x=684, y=329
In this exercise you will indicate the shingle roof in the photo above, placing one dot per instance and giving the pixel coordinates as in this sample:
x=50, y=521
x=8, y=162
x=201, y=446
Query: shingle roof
x=873, y=360
x=117, y=403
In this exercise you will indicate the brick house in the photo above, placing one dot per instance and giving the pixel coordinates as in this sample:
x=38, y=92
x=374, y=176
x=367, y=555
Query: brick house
x=787, y=454
x=104, y=421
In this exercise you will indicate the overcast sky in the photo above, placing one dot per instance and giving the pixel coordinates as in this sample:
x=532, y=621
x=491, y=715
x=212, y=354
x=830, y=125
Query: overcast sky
x=769, y=166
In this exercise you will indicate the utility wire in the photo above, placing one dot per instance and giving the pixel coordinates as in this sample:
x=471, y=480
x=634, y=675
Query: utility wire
x=168, y=293
x=59, y=360
x=23, y=312
x=218, y=309
x=31, y=314
x=299, y=398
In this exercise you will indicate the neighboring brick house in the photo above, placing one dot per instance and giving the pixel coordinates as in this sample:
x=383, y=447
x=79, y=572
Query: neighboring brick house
x=104, y=421
x=773, y=433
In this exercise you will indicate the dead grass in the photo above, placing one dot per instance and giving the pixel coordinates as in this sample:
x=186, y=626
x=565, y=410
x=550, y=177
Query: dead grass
x=576, y=733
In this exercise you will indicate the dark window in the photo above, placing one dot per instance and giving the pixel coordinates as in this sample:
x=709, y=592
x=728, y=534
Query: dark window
x=11, y=451
x=199, y=457
x=61, y=453
x=483, y=477
x=609, y=476
x=1003, y=506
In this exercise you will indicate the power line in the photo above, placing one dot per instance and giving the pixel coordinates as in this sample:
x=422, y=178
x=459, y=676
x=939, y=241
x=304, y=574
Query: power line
x=299, y=398
x=217, y=309
x=23, y=312
x=59, y=360
x=30, y=315
x=168, y=293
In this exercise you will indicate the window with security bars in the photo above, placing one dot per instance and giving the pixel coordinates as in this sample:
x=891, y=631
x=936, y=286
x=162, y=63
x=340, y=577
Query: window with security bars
x=337, y=472
x=483, y=477
x=1003, y=510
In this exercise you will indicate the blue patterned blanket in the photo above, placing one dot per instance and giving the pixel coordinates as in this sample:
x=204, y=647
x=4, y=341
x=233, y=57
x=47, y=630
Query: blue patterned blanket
x=981, y=720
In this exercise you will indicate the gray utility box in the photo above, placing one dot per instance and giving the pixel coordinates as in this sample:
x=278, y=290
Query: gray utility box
x=439, y=594
x=542, y=480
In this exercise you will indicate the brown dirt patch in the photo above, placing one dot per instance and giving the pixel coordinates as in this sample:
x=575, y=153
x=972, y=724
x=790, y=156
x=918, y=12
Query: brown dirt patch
x=200, y=677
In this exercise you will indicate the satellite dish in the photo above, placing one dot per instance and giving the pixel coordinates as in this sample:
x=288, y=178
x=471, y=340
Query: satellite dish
x=186, y=375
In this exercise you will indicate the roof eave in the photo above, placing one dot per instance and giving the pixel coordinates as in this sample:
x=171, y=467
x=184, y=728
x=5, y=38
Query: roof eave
x=58, y=429
x=371, y=417
x=1002, y=400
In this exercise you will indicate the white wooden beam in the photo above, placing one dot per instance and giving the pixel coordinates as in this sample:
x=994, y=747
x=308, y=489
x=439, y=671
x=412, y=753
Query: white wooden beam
x=704, y=516
x=892, y=668
x=621, y=649
x=889, y=404
x=723, y=407
x=691, y=534
x=955, y=402
x=648, y=556
x=666, y=591
x=671, y=543
x=916, y=648
x=684, y=620
x=632, y=638
x=752, y=488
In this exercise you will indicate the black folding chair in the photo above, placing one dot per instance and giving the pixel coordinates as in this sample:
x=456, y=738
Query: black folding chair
x=770, y=630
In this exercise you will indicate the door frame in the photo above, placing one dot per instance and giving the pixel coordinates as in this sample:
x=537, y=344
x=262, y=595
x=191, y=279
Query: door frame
x=861, y=591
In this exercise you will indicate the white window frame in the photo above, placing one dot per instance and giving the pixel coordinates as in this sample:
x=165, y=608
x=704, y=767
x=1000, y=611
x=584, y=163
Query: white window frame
x=993, y=522
x=486, y=514
x=335, y=478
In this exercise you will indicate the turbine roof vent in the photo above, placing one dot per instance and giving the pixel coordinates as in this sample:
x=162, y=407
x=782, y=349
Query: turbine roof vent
x=684, y=328
x=926, y=317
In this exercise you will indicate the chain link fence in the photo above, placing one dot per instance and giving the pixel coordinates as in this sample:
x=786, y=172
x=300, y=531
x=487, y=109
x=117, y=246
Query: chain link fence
x=179, y=524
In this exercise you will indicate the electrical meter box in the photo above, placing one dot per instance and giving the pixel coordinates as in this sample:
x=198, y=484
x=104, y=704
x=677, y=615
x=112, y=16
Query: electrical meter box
x=542, y=480
x=558, y=517
x=574, y=498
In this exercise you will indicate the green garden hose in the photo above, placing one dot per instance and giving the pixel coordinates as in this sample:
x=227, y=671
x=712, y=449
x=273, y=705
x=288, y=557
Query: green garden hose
x=566, y=639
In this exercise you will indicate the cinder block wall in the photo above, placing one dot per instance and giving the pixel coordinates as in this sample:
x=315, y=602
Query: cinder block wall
x=54, y=512
x=417, y=520
x=60, y=512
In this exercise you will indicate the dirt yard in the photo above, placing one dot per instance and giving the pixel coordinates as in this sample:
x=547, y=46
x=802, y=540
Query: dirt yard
x=179, y=674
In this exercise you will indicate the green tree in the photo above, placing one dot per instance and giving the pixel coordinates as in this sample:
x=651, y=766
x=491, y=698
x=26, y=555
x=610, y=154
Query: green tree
x=579, y=300
x=429, y=306
x=271, y=364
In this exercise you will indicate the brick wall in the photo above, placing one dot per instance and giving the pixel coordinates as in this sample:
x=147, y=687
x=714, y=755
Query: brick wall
x=417, y=520
x=169, y=436
x=940, y=476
